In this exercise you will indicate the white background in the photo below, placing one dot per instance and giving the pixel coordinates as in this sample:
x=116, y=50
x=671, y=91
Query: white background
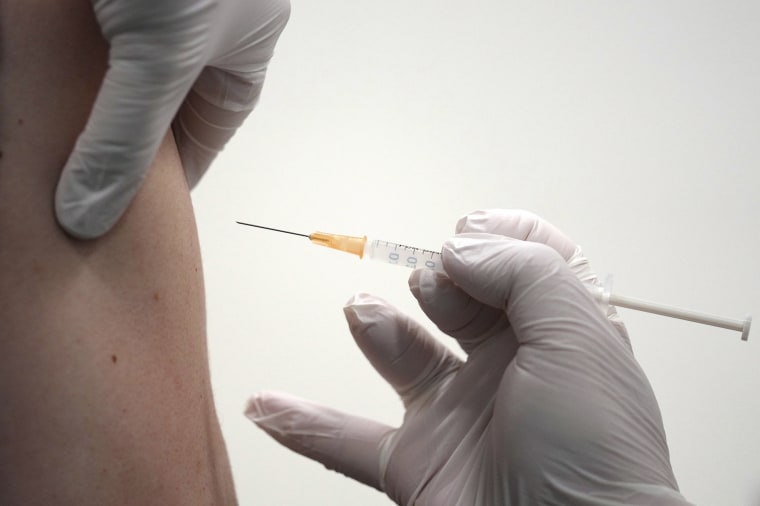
x=633, y=126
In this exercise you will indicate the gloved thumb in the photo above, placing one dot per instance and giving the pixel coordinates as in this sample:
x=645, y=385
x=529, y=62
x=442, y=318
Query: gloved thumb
x=351, y=445
x=152, y=66
x=526, y=226
x=542, y=297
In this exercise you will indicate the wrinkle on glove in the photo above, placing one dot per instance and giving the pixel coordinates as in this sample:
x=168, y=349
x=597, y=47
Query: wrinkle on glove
x=550, y=406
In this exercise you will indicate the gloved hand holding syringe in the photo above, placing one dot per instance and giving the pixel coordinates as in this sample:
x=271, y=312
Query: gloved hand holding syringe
x=413, y=257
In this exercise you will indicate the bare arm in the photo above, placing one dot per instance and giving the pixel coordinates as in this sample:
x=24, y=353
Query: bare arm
x=103, y=368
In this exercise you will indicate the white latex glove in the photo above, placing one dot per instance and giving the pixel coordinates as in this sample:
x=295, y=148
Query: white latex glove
x=550, y=406
x=199, y=63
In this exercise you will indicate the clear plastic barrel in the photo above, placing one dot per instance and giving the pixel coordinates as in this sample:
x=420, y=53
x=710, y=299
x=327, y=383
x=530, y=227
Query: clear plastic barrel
x=406, y=256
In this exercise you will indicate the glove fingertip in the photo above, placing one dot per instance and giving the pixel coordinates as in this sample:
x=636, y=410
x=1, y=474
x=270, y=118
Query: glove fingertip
x=461, y=223
x=90, y=199
x=362, y=298
x=462, y=251
x=424, y=284
x=274, y=412
x=76, y=217
x=363, y=310
x=254, y=409
x=475, y=221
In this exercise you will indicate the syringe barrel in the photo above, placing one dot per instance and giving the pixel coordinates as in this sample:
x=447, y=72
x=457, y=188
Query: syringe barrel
x=399, y=254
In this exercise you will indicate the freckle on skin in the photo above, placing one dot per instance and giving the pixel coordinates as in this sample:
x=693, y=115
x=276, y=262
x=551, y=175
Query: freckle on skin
x=114, y=358
x=20, y=121
x=156, y=296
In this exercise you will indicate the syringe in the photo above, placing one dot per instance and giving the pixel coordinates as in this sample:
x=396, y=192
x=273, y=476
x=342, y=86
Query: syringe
x=383, y=251
x=409, y=256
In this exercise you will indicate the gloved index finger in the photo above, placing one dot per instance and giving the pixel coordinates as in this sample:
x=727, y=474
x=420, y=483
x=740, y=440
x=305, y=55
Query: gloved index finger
x=517, y=224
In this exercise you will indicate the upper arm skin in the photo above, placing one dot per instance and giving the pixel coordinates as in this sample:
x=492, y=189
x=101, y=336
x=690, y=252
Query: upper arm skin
x=104, y=375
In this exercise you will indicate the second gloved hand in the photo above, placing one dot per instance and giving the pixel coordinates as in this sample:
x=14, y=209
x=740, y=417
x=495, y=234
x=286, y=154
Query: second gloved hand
x=550, y=406
x=199, y=63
